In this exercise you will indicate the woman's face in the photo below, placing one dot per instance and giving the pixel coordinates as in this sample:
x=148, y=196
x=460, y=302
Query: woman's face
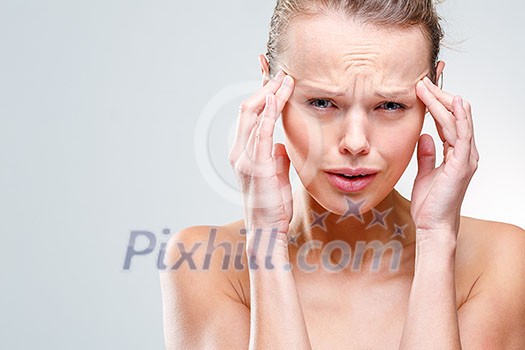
x=354, y=106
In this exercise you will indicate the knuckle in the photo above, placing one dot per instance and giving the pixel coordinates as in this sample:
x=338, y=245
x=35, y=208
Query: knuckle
x=237, y=167
x=263, y=132
x=233, y=156
x=280, y=99
x=474, y=163
x=232, y=160
x=468, y=137
x=241, y=167
x=432, y=103
x=245, y=107
x=475, y=167
x=466, y=174
x=266, y=135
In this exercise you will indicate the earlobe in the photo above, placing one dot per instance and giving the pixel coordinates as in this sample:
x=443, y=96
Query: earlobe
x=265, y=69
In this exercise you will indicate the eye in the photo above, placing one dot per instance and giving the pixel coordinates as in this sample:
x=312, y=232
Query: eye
x=392, y=106
x=320, y=103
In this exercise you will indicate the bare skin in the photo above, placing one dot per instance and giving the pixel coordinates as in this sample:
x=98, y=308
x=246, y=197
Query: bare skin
x=366, y=310
x=448, y=262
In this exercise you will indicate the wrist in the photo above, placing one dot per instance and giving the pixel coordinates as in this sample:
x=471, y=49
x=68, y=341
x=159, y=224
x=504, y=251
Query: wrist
x=267, y=245
x=443, y=234
x=436, y=243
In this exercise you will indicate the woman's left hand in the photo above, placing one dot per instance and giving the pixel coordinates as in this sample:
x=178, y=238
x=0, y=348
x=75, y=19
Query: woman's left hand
x=438, y=192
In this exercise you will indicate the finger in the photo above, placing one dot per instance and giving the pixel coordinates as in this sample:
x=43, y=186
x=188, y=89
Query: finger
x=264, y=133
x=255, y=103
x=282, y=163
x=445, y=121
x=447, y=100
x=249, y=148
x=463, y=146
x=249, y=111
x=426, y=155
x=475, y=153
x=444, y=97
x=284, y=93
x=448, y=151
x=282, y=166
x=267, y=127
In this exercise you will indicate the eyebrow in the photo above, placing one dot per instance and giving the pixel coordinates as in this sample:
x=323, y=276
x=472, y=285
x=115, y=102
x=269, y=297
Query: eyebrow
x=395, y=93
x=383, y=94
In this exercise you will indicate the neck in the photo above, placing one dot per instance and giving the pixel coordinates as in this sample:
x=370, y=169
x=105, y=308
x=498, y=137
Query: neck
x=389, y=220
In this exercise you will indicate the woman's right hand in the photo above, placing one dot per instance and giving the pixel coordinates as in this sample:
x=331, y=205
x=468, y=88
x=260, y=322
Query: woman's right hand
x=263, y=174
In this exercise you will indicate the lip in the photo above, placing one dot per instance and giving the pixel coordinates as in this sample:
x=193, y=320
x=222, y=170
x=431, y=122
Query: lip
x=352, y=171
x=351, y=185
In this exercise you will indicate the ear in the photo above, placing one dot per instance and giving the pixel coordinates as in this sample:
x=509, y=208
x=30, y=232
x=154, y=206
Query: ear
x=440, y=66
x=265, y=69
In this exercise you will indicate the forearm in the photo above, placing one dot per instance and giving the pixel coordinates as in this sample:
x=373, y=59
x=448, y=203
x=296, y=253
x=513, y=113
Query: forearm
x=276, y=318
x=432, y=321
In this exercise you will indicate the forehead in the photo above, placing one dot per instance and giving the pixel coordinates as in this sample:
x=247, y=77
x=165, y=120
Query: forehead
x=333, y=49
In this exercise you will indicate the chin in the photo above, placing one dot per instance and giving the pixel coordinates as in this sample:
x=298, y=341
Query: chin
x=336, y=202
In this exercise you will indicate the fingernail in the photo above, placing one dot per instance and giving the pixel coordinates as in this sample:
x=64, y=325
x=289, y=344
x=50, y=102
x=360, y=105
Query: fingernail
x=460, y=101
x=287, y=80
x=427, y=80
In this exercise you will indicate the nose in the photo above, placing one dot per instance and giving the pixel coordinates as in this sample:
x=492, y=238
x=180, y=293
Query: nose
x=354, y=138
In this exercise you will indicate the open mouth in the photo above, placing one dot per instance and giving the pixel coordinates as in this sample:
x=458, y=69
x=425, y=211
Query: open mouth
x=353, y=176
x=350, y=183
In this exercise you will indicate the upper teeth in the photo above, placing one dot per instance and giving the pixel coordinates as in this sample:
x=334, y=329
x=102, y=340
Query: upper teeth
x=354, y=175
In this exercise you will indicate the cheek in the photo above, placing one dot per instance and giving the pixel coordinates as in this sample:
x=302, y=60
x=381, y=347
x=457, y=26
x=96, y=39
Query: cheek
x=304, y=142
x=397, y=142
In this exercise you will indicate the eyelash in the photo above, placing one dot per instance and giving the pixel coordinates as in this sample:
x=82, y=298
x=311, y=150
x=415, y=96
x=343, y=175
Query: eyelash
x=313, y=100
x=399, y=106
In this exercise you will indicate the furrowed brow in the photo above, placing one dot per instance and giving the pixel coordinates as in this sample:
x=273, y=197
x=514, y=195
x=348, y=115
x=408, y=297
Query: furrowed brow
x=386, y=94
x=318, y=90
x=389, y=94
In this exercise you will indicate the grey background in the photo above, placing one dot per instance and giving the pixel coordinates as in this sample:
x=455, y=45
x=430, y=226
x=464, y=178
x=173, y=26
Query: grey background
x=100, y=103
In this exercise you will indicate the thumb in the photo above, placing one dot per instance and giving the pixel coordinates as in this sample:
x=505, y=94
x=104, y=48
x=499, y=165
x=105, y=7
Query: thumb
x=426, y=155
x=282, y=162
x=282, y=169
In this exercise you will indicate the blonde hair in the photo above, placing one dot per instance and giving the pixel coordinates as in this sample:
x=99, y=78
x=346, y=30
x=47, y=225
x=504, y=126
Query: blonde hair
x=387, y=13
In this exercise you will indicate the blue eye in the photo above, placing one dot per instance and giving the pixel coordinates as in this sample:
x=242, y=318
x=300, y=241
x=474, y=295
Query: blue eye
x=320, y=103
x=392, y=106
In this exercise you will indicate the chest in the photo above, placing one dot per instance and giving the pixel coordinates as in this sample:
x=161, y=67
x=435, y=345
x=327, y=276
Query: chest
x=355, y=317
x=348, y=314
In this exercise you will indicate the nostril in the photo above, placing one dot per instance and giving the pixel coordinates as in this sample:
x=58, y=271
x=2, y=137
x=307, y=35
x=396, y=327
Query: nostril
x=354, y=145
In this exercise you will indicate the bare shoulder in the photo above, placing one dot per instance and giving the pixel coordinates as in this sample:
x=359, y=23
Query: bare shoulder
x=495, y=240
x=493, y=314
x=202, y=303
x=216, y=252
x=489, y=246
x=206, y=248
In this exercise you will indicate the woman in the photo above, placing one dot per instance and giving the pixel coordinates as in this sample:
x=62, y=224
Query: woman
x=347, y=262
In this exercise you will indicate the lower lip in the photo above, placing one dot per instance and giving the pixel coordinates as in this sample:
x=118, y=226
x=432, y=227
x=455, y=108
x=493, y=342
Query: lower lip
x=350, y=185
